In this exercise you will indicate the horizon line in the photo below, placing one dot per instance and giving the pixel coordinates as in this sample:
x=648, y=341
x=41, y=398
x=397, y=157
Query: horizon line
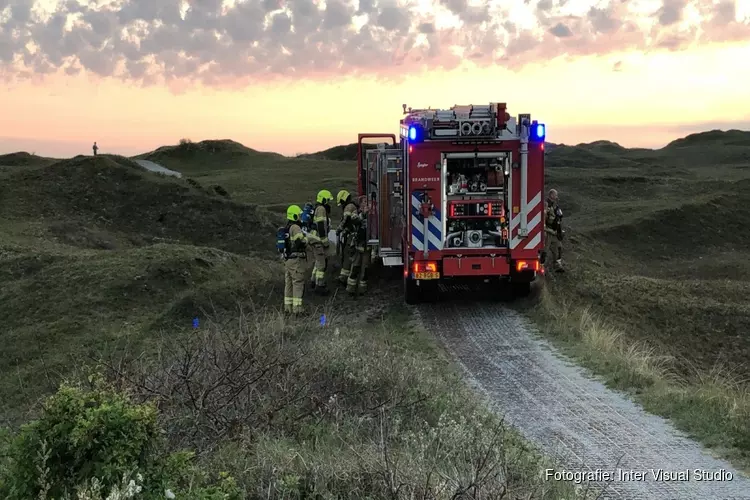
x=296, y=155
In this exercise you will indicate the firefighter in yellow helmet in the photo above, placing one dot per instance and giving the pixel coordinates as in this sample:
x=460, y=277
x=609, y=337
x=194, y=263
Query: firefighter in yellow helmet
x=345, y=232
x=355, y=221
x=291, y=243
x=318, y=239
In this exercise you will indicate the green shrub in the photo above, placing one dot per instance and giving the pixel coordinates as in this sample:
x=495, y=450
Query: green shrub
x=90, y=442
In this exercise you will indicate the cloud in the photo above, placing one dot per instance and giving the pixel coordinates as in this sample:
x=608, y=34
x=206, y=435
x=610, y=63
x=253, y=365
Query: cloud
x=671, y=11
x=233, y=42
x=561, y=31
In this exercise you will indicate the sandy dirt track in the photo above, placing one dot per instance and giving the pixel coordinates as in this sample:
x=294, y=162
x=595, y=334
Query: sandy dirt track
x=572, y=417
x=155, y=167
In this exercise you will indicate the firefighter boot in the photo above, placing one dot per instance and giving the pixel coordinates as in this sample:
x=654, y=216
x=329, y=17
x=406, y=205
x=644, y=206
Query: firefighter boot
x=558, y=263
x=312, y=279
x=346, y=264
x=344, y=272
x=362, y=278
x=352, y=281
x=321, y=287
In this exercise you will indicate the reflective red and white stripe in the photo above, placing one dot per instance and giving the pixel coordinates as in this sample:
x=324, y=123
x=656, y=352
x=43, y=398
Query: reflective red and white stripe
x=534, y=224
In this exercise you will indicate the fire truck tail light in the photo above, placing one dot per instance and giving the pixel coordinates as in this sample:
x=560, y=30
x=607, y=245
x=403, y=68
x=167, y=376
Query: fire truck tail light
x=527, y=265
x=425, y=267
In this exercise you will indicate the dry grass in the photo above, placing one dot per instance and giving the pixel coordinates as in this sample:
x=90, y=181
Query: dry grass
x=713, y=406
x=292, y=409
x=604, y=340
x=655, y=297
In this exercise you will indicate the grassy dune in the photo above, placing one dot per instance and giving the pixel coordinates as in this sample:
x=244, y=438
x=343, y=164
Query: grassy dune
x=104, y=266
x=655, y=299
x=266, y=179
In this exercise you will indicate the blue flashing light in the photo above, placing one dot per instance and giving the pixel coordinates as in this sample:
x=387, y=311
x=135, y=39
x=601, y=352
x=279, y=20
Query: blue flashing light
x=415, y=134
x=538, y=131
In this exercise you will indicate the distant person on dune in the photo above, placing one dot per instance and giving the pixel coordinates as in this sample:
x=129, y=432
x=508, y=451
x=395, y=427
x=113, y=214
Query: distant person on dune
x=95, y=148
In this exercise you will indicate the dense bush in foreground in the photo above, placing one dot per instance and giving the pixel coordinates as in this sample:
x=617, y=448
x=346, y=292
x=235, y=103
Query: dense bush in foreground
x=94, y=444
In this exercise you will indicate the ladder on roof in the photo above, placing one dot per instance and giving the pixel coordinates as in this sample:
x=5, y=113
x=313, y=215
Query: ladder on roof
x=462, y=112
x=465, y=121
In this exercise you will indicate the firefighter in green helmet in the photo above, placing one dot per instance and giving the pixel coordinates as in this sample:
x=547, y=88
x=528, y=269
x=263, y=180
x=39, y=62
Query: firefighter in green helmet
x=318, y=239
x=291, y=244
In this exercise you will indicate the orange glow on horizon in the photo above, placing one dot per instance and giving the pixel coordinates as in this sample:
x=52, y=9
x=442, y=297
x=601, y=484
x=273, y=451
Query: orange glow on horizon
x=652, y=99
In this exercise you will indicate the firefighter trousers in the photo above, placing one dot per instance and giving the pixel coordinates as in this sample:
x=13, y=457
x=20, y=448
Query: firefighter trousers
x=294, y=284
x=346, y=263
x=318, y=277
x=357, y=280
x=552, y=251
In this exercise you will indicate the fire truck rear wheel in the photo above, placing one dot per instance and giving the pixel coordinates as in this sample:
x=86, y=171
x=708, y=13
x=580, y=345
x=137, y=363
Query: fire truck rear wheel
x=430, y=291
x=521, y=289
x=411, y=292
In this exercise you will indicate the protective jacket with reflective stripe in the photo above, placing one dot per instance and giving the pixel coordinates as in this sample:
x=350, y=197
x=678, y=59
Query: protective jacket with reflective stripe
x=320, y=225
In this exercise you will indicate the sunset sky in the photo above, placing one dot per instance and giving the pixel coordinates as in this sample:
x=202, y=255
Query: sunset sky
x=296, y=76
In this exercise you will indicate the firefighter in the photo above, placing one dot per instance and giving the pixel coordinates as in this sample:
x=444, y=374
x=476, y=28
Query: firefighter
x=356, y=283
x=292, y=243
x=553, y=234
x=345, y=232
x=306, y=223
x=318, y=240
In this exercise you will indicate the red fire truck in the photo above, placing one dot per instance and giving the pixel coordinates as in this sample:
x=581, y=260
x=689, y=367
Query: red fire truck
x=458, y=196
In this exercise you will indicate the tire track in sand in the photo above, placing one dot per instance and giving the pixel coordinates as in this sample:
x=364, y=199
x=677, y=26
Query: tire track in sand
x=568, y=415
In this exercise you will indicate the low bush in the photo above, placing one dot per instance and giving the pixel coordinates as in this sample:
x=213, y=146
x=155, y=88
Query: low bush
x=96, y=443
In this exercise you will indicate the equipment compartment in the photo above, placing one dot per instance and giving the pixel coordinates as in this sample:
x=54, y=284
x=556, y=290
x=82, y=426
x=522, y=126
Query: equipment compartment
x=476, y=199
x=474, y=176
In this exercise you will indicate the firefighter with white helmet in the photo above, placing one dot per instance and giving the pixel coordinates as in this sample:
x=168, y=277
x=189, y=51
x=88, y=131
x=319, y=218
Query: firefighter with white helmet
x=318, y=239
x=553, y=233
x=345, y=232
x=291, y=243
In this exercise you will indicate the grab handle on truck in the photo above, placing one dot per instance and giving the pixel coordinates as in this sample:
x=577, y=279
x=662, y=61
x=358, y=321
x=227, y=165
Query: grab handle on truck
x=426, y=207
